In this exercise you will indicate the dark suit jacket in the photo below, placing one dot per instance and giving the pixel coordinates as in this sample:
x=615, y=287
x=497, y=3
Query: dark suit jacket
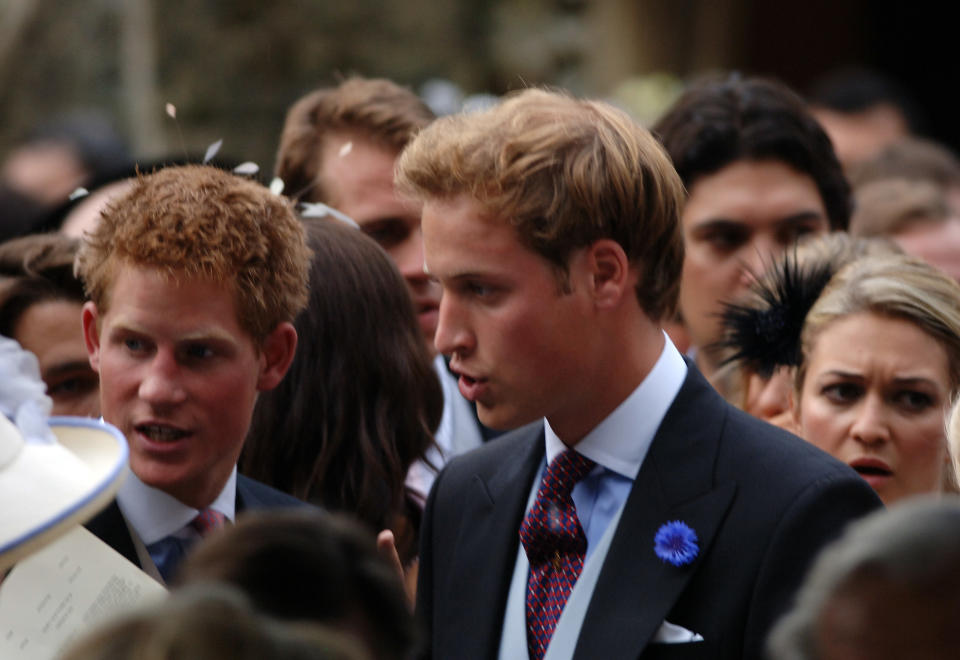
x=761, y=501
x=111, y=528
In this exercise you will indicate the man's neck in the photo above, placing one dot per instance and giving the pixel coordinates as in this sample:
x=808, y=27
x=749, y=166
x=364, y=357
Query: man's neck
x=615, y=378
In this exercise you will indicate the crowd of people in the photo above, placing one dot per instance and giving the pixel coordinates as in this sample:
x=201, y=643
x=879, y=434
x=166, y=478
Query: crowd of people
x=532, y=381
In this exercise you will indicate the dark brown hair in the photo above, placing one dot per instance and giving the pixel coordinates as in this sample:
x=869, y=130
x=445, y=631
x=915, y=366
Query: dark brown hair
x=304, y=565
x=34, y=269
x=720, y=121
x=361, y=400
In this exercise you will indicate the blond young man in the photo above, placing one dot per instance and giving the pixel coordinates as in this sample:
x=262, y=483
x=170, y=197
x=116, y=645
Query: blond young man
x=552, y=226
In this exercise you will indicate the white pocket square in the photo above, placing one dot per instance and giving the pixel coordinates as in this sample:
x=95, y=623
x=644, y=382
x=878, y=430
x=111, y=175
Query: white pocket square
x=671, y=633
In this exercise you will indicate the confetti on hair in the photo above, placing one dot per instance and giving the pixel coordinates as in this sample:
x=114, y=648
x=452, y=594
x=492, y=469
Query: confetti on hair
x=78, y=193
x=212, y=151
x=248, y=168
x=276, y=185
x=320, y=210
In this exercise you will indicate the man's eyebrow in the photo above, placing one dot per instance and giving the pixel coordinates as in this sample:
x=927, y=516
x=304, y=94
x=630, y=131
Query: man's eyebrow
x=712, y=224
x=198, y=335
x=802, y=216
x=382, y=220
x=729, y=223
x=205, y=335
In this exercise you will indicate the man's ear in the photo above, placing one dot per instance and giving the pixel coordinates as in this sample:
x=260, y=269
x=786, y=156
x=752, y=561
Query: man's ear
x=276, y=355
x=91, y=334
x=611, y=275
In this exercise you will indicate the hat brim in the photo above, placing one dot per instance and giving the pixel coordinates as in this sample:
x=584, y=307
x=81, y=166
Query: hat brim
x=103, y=449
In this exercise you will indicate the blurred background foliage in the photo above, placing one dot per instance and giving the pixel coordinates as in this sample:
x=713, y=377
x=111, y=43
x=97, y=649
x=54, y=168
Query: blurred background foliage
x=231, y=67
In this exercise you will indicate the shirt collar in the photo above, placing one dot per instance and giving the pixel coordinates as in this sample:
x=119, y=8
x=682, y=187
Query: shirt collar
x=621, y=441
x=155, y=514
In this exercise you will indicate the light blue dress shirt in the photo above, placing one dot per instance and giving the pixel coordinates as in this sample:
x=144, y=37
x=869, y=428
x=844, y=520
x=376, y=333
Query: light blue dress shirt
x=162, y=522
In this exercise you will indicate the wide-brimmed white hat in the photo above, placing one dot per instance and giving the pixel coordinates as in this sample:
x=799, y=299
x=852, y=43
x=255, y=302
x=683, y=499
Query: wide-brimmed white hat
x=48, y=487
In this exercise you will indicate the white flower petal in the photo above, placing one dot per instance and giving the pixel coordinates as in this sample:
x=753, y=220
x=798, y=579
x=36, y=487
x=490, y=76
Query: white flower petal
x=247, y=168
x=212, y=151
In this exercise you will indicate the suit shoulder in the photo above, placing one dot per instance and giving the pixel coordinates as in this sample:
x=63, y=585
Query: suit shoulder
x=777, y=458
x=491, y=455
x=252, y=494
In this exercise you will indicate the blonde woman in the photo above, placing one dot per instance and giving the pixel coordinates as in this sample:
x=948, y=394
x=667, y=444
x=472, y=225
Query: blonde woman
x=877, y=363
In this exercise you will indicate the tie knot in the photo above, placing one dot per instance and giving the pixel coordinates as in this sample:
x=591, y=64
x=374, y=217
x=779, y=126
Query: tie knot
x=551, y=526
x=563, y=473
x=208, y=520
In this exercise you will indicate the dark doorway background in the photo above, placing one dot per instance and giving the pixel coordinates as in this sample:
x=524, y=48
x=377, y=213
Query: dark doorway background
x=914, y=42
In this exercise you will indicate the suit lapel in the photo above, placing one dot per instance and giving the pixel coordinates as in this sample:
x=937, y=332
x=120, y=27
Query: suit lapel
x=245, y=498
x=111, y=528
x=494, y=510
x=636, y=589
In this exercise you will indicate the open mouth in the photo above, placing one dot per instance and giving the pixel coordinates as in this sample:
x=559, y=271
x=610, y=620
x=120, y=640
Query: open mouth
x=871, y=468
x=871, y=471
x=472, y=388
x=159, y=433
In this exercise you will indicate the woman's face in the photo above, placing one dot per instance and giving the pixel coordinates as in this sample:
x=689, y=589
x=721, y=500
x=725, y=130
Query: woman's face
x=770, y=399
x=874, y=397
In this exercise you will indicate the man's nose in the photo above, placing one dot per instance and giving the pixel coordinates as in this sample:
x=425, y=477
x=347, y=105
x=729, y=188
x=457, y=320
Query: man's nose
x=757, y=256
x=453, y=335
x=162, y=381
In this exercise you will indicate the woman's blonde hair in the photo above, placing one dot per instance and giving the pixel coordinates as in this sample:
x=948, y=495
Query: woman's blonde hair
x=897, y=286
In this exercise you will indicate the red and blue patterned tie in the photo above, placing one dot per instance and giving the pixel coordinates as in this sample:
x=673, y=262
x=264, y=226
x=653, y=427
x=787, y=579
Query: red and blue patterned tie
x=208, y=520
x=555, y=545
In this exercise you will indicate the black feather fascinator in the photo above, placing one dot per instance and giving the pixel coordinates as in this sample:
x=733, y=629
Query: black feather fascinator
x=764, y=333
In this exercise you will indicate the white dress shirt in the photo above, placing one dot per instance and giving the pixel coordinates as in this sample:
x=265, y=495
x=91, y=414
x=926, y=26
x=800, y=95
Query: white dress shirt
x=153, y=514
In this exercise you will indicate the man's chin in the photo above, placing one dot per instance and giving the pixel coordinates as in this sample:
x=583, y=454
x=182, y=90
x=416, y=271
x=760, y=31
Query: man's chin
x=499, y=419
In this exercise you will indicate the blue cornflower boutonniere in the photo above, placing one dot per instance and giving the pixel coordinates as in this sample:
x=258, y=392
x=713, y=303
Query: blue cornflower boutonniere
x=676, y=543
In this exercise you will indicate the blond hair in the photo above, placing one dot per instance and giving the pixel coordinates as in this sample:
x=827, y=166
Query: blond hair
x=897, y=286
x=889, y=206
x=564, y=173
x=199, y=221
x=379, y=110
x=953, y=438
x=812, y=254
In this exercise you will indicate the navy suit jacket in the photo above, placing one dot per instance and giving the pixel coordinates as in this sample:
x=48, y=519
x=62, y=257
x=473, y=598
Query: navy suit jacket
x=111, y=528
x=762, y=503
